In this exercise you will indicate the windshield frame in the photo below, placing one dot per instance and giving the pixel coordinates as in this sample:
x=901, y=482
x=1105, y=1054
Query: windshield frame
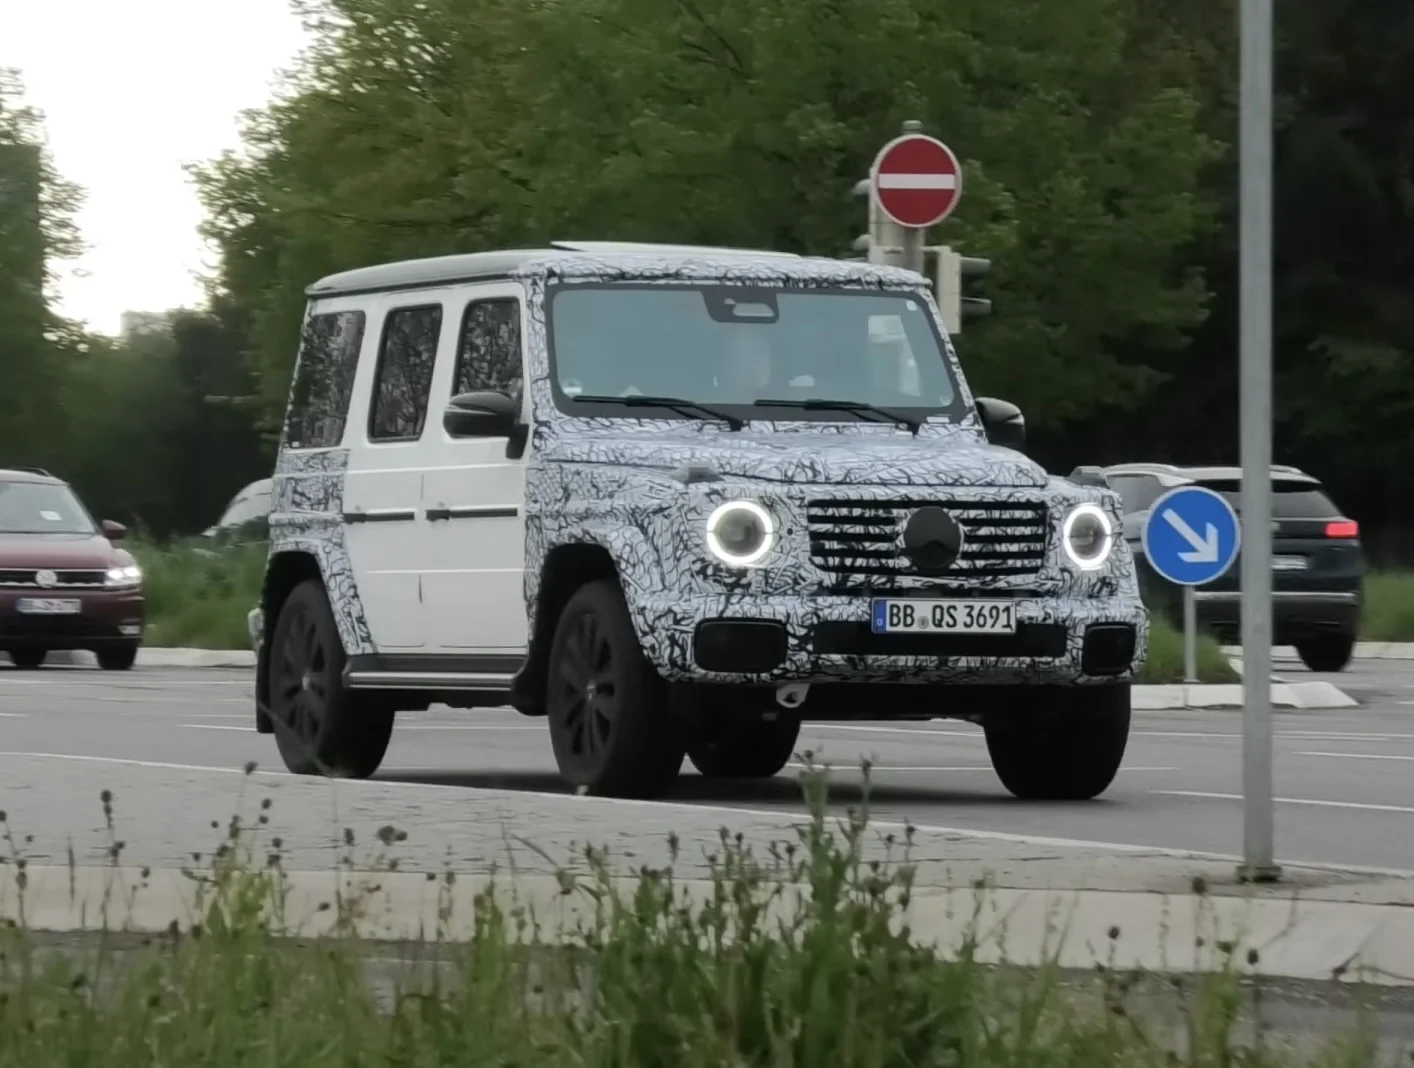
x=61, y=487
x=952, y=414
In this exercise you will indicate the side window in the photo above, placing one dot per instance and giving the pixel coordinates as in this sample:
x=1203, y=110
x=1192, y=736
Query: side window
x=488, y=354
x=403, y=379
x=324, y=375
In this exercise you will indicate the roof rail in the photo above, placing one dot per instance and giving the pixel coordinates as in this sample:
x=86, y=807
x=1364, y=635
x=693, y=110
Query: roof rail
x=610, y=247
x=33, y=471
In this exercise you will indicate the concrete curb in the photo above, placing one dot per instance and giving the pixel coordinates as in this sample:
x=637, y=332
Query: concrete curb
x=1146, y=698
x=1363, y=651
x=1155, y=932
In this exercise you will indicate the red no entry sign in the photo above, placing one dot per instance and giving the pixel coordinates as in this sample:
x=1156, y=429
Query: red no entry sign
x=917, y=180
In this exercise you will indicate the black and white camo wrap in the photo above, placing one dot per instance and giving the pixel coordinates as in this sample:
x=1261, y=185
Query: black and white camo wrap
x=307, y=516
x=609, y=482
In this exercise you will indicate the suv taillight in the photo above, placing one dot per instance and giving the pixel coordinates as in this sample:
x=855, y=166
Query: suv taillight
x=1343, y=528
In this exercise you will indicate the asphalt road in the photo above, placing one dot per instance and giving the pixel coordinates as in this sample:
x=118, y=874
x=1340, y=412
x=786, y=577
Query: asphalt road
x=1345, y=778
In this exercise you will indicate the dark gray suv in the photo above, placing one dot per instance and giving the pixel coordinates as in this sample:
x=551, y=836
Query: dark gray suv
x=1318, y=565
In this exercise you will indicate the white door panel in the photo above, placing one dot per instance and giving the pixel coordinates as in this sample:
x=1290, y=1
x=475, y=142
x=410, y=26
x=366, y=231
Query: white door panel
x=381, y=521
x=474, y=569
x=474, y=565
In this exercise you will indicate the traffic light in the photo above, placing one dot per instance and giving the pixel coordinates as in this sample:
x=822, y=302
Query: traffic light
x=954, y=274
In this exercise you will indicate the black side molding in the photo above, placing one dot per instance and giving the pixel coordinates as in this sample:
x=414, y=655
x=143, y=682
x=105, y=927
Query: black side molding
x=401, y=516
x=472, y=511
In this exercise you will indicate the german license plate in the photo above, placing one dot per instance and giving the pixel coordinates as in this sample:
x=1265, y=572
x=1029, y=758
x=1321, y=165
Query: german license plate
x=1288, y=563
x=911, y=616
x=48, y=606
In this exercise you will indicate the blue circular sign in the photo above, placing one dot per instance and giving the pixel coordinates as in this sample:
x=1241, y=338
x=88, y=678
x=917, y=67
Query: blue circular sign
x=1191, y=536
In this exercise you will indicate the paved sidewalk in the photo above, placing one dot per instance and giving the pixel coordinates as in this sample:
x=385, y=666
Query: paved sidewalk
x=1170, y=909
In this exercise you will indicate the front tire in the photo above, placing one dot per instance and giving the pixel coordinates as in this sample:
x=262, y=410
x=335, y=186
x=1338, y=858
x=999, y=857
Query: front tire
x=1067, y=747
x=727, y=744
x=117, y=657
x=610, y=726
x=1327, y=652
x=28, y=659
x=321, y=728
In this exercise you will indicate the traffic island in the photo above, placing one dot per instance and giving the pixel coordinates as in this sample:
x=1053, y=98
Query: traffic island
x=721, y=940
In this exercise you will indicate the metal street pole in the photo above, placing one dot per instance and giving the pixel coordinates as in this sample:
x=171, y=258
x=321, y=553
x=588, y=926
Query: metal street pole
x=1255, y=263
x=1190, y=636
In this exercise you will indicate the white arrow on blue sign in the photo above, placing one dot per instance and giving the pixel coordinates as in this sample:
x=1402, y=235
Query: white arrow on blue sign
x=1192, y=536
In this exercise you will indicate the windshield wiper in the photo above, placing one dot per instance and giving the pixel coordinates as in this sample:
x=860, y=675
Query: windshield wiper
x=817, y=404
x=688, y=408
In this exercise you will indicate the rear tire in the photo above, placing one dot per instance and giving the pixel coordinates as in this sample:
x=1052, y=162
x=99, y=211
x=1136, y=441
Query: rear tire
x=1328, y=652
x=730, y=744
x=610, y=725
x=1067, y=747
x=117, y=657
x=321, y=728
x=28, y=659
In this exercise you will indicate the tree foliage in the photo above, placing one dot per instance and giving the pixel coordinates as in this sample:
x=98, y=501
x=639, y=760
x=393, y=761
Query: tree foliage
x=1095, y=138
x=423, y=127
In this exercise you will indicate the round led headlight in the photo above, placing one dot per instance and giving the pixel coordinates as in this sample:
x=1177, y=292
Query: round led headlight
x=740, y=533
x=1088, y=537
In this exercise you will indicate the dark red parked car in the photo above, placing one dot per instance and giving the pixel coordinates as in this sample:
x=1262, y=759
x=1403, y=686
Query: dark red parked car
x=63, y=583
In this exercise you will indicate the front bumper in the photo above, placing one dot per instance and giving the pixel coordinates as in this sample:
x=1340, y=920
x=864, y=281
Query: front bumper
x=105, y=617
x=1059, y=641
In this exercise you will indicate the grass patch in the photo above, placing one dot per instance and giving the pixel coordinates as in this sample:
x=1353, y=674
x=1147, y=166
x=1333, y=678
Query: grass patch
x=1165, y=660
x=752, y=974
x=1388, y=614
x=198, y=595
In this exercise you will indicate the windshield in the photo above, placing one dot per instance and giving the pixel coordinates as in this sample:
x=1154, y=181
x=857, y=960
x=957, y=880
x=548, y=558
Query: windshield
x=733, y=347
x=41, y=508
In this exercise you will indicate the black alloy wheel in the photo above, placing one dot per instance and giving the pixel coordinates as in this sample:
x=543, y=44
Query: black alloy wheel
x=320, y=727
x=610, y=727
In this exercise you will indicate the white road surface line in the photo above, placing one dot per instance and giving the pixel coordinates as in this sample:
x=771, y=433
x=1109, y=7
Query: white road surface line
x=401, y=727
x=1359, y=756
x=14, y=715
x=977, y=734
x=1309, y=801
x=873, y=767
x=1129, y=848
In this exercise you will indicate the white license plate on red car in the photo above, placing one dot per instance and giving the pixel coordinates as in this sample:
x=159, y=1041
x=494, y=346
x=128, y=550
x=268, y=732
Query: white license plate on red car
x=48, y=606
x=906, y=615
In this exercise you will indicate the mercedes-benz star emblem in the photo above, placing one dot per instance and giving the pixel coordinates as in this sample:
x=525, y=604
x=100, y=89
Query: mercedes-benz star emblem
x=45, y=579
x=932, y=539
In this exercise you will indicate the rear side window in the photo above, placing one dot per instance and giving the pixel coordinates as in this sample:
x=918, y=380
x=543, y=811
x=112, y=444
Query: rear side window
x=1291, y=499
x=324, y=375
x=403, y=380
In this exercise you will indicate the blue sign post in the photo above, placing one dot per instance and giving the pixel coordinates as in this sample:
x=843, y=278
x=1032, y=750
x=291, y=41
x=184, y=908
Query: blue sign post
x=1191, y=538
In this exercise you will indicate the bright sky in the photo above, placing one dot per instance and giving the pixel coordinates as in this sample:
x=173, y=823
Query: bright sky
x=131, y=91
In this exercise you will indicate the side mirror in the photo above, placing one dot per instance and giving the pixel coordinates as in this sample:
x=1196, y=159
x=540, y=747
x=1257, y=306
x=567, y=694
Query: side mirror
x=1003, y=421
x=483, y=414
x=114, y=531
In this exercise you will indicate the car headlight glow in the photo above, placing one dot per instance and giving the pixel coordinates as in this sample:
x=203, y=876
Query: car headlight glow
x=131, y=575
x=1088, y=537
x=741, y=533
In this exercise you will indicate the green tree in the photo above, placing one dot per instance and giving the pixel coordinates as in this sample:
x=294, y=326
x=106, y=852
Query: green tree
x=421, y=127
x=36, y=231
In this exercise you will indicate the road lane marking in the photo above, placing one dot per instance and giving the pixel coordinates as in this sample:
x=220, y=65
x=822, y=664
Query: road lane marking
x=1359, y=756
x=915, y=767
x=398, y=729
x=978, y=735
x=1313, y=802
x=14, y=715
x=123, y=761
